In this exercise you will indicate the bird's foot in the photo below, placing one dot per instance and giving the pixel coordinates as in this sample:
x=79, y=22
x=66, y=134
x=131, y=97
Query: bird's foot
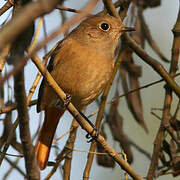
x=67, y=100
x=91, y=136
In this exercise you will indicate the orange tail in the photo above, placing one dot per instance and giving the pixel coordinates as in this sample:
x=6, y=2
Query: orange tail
x=43, y=145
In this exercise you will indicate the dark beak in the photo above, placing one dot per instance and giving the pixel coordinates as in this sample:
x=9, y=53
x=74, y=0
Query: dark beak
x=127, y=29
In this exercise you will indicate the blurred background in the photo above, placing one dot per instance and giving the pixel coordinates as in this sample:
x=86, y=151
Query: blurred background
x=160, y=21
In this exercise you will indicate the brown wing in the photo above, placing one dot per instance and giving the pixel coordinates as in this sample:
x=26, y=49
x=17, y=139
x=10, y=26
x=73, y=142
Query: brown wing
x=44, y=83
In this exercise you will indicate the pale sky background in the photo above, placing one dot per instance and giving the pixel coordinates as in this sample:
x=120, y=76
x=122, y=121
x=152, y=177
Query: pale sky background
x=161, y=21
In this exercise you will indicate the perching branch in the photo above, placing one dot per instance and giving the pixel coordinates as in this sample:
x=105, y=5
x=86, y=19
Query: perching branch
x=83, y=123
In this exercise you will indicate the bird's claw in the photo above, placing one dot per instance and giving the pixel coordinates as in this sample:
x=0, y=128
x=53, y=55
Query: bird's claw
x=91, y=137
x=67, y=100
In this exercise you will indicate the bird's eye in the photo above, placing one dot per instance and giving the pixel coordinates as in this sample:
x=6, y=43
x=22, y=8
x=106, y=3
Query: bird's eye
x=104, y=26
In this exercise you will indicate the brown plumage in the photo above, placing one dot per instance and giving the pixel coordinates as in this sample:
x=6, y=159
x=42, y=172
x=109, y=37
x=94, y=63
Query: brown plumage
x=81, y=65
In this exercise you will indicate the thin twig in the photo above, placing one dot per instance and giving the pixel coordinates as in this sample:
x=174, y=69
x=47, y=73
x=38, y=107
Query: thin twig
x=68, y=9
x=16, y=167
x=3, y=56
x=111, y=8
x=13, y=155
x=6, y=6
x=149, y=37
x=8, y=142
x=60, y=158
x=13, y=107
x=57, y=139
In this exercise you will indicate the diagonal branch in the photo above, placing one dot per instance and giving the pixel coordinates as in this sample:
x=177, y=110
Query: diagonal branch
x=153, y=63
x=83, y=123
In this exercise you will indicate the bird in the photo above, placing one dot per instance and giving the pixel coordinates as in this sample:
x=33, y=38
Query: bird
x=81, y=64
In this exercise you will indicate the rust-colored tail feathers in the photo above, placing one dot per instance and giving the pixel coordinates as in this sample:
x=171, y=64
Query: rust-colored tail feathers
x=43, y=145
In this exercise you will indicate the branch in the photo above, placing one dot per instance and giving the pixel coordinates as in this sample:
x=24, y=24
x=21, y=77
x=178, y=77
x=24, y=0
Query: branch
x=14, y=166
x=153, y=63
x=70, y=145
x=148, y=36
x=84, y=123
x=6, y=6
x=13, y=107
x=167, y=101
x=68, y=9
x=28, y=149
x=24, y=18
x=100, y=116
x=8, y=141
